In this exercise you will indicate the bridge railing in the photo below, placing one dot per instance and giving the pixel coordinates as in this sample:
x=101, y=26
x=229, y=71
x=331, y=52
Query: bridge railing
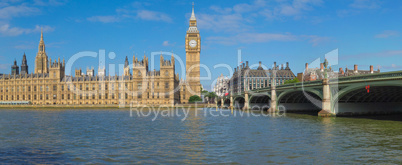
x=394, y=74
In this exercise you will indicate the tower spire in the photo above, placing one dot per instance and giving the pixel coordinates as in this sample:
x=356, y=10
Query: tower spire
x=41, y=34
x=192, y=14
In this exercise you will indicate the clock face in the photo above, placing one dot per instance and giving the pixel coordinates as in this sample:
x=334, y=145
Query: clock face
x=192, y=43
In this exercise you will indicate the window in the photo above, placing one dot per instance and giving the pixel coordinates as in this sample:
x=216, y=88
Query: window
x=47, y=97
x=93, y=87
x=166, y=85
x=87, y=87
x=139, y=95
x=62, y=96
x=47, y=88
x=29, y=89
x=68, y=96
x=54, y=88
x=139, y=86
x=80, y=86
x=166, y=73
x=62, y=87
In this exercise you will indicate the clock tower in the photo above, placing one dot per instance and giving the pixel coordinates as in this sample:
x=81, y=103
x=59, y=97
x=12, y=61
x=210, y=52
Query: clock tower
x=193, y=49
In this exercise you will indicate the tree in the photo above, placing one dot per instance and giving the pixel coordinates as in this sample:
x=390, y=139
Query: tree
x=211, y=96
x=194, y=98
x=295, y=80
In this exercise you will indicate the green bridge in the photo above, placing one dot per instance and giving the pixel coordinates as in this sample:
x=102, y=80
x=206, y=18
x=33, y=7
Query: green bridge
x=379, y=93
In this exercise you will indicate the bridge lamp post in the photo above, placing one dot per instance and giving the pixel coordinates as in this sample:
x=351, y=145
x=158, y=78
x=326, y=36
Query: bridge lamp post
x=326, y=100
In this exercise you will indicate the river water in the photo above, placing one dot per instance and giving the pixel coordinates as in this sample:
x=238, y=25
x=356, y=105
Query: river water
x=205, y=136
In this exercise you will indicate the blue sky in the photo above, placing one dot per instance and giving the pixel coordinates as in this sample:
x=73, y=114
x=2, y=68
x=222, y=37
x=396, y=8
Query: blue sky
x=366, y=32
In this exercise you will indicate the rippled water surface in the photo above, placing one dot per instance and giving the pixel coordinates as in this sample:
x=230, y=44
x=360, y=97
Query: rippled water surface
x=112, y=136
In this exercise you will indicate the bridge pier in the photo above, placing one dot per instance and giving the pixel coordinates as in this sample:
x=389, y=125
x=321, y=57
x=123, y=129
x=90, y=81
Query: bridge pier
x=326, y=100
x=231, y=102
x=273, y=105
x=222, y=103
x=246, y=101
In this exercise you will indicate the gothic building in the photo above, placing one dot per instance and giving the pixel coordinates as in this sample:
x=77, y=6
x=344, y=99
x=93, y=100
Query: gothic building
x=24, y=65
x=138, y=85
x=192, y=86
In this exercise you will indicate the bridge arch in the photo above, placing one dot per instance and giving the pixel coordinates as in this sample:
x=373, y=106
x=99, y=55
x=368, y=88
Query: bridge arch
x=226, y=102
x=219, y=102
x=238, y=102
x=301, y=100
x=260, y=101
x=382, y=98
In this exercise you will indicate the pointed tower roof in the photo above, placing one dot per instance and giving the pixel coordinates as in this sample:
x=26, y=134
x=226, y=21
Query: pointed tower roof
x=126, y=62
x=192, y=18
x=41, y=33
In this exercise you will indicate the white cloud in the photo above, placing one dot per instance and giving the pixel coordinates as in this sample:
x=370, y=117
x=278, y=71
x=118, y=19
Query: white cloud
x=316, y=40
x=50, y=2
x=387, y=34
x=228, y=23
x=4, y=66
x=166, y=43
x=24, y=47
x=9, y=12
x=103, y=19
x=238, y=17
x=153, y=16
x=251, y=38
x=365, y=4
x=266, y=37
x=358, y=6
x=6, y=30
x=297, y=7
x=124, y=13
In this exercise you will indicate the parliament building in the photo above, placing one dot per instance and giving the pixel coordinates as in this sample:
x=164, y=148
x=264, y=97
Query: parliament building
x=138, y=85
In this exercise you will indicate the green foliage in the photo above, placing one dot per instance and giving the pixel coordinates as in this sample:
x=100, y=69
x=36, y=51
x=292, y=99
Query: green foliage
x=211, y=96
x=295, y=80
x=194, y=98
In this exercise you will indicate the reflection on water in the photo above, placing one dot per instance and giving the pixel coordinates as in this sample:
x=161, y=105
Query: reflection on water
x=112, y=136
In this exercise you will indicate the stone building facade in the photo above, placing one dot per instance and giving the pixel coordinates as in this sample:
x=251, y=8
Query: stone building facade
x=311, y=74
x=222, y=86
x=138, y=85
x=244, y=78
